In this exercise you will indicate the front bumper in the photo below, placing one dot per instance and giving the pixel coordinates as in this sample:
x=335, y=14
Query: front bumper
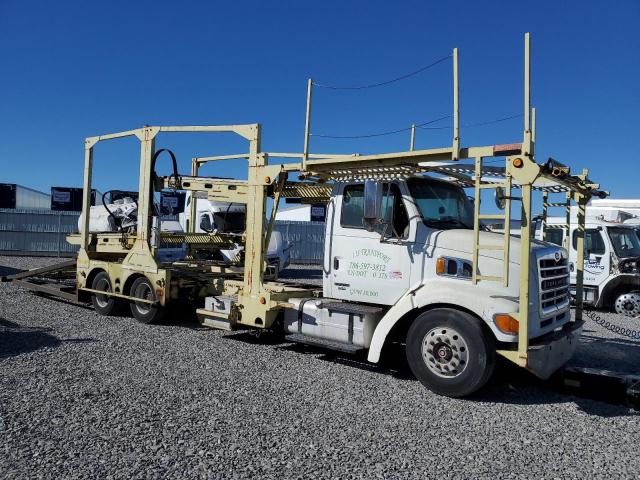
x=552, y=351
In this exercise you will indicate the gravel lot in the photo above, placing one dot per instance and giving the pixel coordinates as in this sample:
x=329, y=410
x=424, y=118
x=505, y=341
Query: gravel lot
x=88, y=396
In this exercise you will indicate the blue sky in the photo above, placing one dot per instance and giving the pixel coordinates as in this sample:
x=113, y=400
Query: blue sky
x=76, y=69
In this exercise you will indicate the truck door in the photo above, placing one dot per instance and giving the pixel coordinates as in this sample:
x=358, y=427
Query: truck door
x=596, y=257
x=367, y=266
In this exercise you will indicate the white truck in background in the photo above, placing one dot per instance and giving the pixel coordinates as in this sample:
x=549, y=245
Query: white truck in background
x=214, y=216
x=623, y=210
x=611, y=258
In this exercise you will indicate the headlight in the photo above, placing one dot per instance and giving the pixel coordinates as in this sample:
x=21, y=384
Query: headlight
x=454, y=267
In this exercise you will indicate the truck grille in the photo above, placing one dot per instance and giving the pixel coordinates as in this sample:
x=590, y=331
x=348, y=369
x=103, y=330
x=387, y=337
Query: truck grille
x=554, y=283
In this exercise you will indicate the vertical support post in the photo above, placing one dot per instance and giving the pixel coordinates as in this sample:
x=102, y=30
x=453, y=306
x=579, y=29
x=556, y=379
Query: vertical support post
x=307, y=125
x=507, y=230
x=476, y=221
x=456, y=108
x=581, y=200
x=567, y=221
x=191, y=223
x=256, y=205
x=145, y=198
x=525, y=255
x=526, y=143
x=412, y=143
x=545, y=205
x=86, y=192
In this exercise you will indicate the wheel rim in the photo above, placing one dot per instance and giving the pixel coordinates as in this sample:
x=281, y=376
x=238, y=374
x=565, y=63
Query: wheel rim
x=143, y=291
x=628, y=304
x=445, y=352
x=103, y=285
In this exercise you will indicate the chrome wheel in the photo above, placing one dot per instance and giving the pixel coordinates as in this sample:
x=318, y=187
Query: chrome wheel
x=628, y=304
x=445, y=352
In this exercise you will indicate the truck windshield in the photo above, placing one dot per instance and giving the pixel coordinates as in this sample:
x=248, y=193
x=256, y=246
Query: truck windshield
x=441, y=205
x=625, y=241
x=229, y=222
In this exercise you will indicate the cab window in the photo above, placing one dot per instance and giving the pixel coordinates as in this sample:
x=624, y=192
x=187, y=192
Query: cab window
x=205, y=222
x=352, y=206
x=393, y=212
x=593, y=242
x=554, y=235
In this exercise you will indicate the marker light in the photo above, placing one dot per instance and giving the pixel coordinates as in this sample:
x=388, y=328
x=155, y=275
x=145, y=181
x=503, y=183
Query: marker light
x=518, y=163
x=507, y=324
x=440, y=266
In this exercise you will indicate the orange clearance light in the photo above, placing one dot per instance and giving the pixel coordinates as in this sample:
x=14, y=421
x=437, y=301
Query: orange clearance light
x=440, y=266
x=507, y=324
x=518, y=163
x=262, y=300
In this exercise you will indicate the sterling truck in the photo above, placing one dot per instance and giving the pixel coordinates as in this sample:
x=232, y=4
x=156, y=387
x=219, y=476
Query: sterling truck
x=406, y=257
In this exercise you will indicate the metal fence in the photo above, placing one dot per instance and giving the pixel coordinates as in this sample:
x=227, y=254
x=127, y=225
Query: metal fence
x=307, y=239
x=37, y=232
x=43, y=232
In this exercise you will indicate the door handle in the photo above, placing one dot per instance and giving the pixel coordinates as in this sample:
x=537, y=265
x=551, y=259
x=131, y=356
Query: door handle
x=336, y=263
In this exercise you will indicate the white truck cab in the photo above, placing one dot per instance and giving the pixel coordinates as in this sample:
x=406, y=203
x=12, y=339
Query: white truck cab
x=611, y=261
x=418, y=258
x=214, y=216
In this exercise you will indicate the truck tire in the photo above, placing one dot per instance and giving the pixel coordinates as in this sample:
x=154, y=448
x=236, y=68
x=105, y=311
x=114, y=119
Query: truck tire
x=449, y=352
x=142, y=311
x=104, y=304
x=628, y=304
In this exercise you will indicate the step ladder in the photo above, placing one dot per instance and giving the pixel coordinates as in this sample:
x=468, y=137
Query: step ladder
x=478, y=216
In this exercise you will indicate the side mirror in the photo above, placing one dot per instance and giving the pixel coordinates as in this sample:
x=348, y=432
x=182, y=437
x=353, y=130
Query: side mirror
x=500, y=198
x=372, y=204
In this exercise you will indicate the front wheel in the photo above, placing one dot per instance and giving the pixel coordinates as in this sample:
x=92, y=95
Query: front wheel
x=450, y=352
x=628, y=304
x=145, y=312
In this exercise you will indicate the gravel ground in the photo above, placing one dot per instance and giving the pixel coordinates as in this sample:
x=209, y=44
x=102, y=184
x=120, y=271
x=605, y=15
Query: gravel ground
x=88, y=396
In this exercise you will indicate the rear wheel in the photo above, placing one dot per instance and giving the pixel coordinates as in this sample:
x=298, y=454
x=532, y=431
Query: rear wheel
x=450, y=352
x=628, y=304
x=104, y=304
x=145, y=312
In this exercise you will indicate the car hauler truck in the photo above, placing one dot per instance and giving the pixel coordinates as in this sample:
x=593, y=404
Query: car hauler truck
x=405, y=257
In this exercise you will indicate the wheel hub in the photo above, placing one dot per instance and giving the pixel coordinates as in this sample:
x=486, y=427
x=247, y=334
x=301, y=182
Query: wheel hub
x=628, y=304
x=445, y=352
